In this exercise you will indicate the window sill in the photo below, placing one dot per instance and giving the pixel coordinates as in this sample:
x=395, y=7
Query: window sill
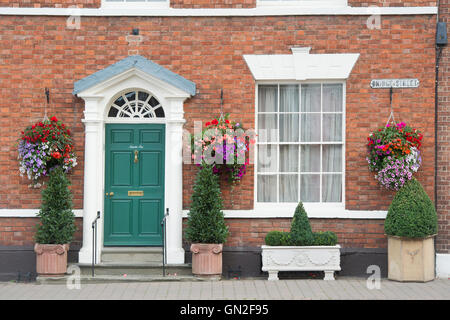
x=314, y=212
x=135, y=6
x=303, y=3
x=339, y=212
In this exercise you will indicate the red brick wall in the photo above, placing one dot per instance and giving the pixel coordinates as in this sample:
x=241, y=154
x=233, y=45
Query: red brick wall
x=352, y=233
x=20, y=231
x=39, y=52
x=443, y=175
x=206, y=3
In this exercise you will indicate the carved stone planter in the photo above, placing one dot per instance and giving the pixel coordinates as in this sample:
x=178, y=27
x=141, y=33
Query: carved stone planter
x=410, y=259
x=207, y=259
x=292, y=258
x=51, y=259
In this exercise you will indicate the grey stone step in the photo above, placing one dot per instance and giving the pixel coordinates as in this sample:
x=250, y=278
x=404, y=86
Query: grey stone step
x=132, y=254
x=86, y=279
x=135, y=269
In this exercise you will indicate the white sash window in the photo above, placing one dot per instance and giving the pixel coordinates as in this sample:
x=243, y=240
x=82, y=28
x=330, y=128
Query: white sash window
x=300, y=143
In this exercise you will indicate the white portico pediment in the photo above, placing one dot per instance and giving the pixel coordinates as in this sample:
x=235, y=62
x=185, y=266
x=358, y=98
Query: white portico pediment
x=99, y=92
x=132, y=72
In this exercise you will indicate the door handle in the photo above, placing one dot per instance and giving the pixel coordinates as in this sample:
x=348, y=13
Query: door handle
x=136, y=156
x=110, y=194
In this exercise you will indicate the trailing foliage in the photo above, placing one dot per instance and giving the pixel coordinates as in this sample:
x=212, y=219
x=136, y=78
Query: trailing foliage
x=300, y=233
x=206, y=223
x=57, y=221
x=411, y=213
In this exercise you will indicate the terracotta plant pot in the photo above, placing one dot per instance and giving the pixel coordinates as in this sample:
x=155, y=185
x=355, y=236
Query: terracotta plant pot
x=207, y=259
x=51, y=259
x=410, y=259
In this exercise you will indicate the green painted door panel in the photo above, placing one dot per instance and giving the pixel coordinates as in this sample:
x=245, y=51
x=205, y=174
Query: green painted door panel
x=134, y=162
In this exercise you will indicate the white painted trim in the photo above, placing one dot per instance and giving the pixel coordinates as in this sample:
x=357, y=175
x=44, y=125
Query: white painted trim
x=339, y=213
x=97, y=102
x=301, y=65
x=321, y=209
x=138, y=5
x=29, y=213
x=303, y=3
x=259, y=11
x=289, y=213
x=443, y=265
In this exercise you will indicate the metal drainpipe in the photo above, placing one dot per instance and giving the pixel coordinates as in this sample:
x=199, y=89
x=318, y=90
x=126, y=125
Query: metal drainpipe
x=439, y=49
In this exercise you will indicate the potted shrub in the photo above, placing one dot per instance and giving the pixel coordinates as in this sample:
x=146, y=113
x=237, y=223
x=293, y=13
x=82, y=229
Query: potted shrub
x=57, y=226
x=206, y=228
x=411, y=224
x=301, y=249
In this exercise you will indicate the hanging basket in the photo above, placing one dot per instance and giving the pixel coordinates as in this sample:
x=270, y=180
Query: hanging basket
x=394, y=154
x=44, y=146
x=224, y=145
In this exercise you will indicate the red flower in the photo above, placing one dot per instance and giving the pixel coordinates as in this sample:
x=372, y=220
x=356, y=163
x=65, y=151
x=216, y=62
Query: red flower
x=56, y=155
x=215, y=122
x=227, y=121
x=207, y=124
x=53, y=119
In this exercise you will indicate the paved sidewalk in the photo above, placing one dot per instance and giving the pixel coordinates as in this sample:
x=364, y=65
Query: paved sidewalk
x=343, y=288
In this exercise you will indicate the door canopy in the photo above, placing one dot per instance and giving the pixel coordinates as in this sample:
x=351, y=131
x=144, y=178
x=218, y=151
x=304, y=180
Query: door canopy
x=136, y=63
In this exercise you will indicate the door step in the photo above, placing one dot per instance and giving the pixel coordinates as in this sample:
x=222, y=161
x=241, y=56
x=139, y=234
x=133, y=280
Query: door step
x=131, y=255
x=124, y=272
x=135, y=269
x=86, y=279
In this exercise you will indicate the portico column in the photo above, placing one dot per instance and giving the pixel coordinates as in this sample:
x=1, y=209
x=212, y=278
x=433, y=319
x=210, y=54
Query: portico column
x=174, y=182
x=92, y=154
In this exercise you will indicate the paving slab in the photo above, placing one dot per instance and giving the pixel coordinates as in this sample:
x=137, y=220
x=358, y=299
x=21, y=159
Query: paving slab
x=249, y=289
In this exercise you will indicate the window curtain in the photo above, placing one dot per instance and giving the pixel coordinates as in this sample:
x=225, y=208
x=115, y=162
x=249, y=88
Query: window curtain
x=287, y=171
x=332, y=132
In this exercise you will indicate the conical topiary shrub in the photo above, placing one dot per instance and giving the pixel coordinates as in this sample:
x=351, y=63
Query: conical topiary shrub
x=57, y=221
x=301, y=233
x=57, y=226
x=206, y=227
x=206, y=222
x=411, y=213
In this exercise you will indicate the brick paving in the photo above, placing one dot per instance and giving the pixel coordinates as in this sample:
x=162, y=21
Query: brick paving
x=347, y=289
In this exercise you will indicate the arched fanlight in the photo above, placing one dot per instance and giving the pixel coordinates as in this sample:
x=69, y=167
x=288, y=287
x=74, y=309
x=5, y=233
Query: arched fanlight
x=136, y=104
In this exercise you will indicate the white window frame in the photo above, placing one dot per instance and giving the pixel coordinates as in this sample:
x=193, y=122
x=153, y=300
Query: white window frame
x=303, y=3
x=266, y=207
x=135, y=5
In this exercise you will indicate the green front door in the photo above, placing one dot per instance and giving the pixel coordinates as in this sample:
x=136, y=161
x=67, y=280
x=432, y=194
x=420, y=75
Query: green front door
x=134, y=184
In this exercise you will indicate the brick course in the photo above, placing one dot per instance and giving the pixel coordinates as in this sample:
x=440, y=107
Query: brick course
x=38, y=52
x=352, y=233
x=20, y=231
